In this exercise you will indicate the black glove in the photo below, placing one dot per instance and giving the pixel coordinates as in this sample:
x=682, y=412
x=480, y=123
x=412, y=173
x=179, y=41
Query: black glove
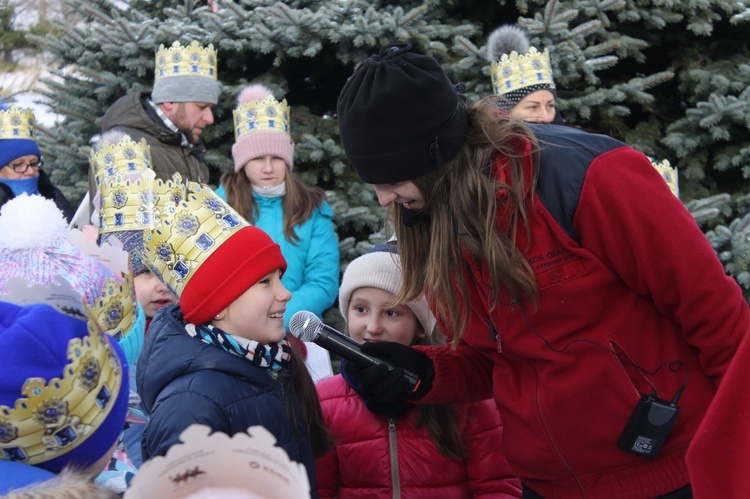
x=389, y=384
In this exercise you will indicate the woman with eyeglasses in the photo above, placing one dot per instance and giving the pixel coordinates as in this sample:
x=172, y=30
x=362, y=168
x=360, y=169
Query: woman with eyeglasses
x=21, y=160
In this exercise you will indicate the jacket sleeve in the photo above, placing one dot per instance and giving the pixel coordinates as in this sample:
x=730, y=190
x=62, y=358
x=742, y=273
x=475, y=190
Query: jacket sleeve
x=321, y=273
x=630, y=219
x=171, y=416
x=489, y=473
x=462, y=375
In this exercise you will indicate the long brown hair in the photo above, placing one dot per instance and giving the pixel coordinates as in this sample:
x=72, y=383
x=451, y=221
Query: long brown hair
x=441, y=421
x=461, y=205
x=299, y=201
x=300, y=393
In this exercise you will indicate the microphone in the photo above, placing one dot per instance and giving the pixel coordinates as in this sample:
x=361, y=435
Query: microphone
x=306, y=326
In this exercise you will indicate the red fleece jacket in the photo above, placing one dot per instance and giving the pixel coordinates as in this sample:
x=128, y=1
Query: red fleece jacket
x=636, y=290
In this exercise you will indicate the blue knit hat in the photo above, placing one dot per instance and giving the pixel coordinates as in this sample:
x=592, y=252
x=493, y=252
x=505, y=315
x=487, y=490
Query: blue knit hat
x=63, y=388
x=17, y=134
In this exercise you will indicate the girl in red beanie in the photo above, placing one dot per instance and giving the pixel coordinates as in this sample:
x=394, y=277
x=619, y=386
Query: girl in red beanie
x=220, y=357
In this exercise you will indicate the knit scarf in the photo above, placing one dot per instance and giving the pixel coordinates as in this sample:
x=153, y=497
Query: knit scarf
x=26, y=185
x=272, y=357
x=273, y=192
x=374, y=405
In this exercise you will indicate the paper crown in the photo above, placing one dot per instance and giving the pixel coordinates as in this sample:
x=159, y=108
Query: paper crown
x=669, y=174
x=261, y=115
x=194, y=222
x=124, y=177
x=17, y=123
x=203, y=460
x=516, y=71
x=53, y=417
x=190, y=60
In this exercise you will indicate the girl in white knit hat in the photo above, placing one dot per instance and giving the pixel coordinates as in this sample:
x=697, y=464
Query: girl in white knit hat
x=384, y=450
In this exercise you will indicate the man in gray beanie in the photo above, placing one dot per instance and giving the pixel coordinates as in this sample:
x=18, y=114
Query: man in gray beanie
x=173, y=116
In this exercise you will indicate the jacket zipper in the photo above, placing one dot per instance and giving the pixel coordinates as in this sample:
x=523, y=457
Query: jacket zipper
x=393, y=445
x=621, y=351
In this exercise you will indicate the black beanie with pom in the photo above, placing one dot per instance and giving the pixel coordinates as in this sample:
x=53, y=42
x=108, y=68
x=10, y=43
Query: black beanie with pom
x=399, y=116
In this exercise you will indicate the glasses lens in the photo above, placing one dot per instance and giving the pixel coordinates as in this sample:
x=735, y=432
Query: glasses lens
x=25, y=166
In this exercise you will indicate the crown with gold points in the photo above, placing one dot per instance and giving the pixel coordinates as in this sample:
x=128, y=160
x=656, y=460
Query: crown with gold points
x=669, y=174
x=125, y=179
x=179, y=60
x=516, y=71
x=53, y=417
x=17, y=123
x=194, y=222
x=124, y=157
x=259, y=115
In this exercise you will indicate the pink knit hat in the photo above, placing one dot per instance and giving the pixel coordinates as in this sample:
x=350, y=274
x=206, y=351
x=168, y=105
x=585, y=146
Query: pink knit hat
x=261, y=127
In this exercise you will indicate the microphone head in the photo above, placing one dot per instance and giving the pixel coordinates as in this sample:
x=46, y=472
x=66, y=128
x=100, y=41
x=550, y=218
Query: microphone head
x=304, y=325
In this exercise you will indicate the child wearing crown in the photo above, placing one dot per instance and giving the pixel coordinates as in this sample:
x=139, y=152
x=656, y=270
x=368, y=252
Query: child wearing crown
x=219, y=357
x=264, y=189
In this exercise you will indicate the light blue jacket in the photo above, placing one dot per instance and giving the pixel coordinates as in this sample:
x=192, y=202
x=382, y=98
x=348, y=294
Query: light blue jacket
x=312, y=274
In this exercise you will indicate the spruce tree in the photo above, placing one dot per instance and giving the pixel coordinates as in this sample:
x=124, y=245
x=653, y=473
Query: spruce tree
x=669, y=78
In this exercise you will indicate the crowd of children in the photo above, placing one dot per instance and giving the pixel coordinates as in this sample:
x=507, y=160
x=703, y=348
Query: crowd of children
x=108, y=367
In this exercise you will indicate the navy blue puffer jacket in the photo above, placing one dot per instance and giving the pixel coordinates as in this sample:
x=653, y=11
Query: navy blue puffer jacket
x=184, y=381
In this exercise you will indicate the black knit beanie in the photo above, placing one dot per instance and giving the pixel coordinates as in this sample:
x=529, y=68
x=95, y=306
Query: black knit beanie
x=399, y=116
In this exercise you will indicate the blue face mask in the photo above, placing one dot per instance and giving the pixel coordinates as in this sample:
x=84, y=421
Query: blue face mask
x=29, y=185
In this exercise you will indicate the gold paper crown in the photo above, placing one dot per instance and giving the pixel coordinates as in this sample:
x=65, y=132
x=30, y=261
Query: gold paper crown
x=115, y=309
x=17, y=123
x=515, y=71
x=53, y=417
x=124, y=176
x=267, y=114
x=191, y=230
x=669, y=174
x=190, y=60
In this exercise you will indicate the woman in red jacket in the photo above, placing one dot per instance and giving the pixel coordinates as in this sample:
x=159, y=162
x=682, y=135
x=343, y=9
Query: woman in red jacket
x=386, y=450
x=576, y=288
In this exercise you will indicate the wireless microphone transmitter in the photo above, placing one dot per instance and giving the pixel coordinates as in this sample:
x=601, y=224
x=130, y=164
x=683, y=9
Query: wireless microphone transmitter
x=648, y=426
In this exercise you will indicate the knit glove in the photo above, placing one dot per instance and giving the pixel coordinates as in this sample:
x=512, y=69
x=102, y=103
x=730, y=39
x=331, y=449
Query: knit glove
x=389, y=383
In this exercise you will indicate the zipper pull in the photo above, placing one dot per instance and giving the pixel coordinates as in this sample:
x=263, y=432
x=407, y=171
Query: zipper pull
x=495, y=337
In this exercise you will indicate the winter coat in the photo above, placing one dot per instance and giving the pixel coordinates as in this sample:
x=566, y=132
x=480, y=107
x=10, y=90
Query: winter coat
x=628, y=287
x=47, y=190
x=133, y=115
x=360, y=466
x=718, y=455
x=184, y=381
x=312, y=274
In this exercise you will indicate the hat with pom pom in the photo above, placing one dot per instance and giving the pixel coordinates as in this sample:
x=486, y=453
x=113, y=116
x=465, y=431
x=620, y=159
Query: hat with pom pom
x=34, y=247
x=517, y=68
x=261, y=127
x=42, y=261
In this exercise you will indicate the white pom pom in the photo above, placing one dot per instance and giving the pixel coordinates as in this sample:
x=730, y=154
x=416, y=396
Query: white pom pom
x=31, y=222
x=253, y=92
